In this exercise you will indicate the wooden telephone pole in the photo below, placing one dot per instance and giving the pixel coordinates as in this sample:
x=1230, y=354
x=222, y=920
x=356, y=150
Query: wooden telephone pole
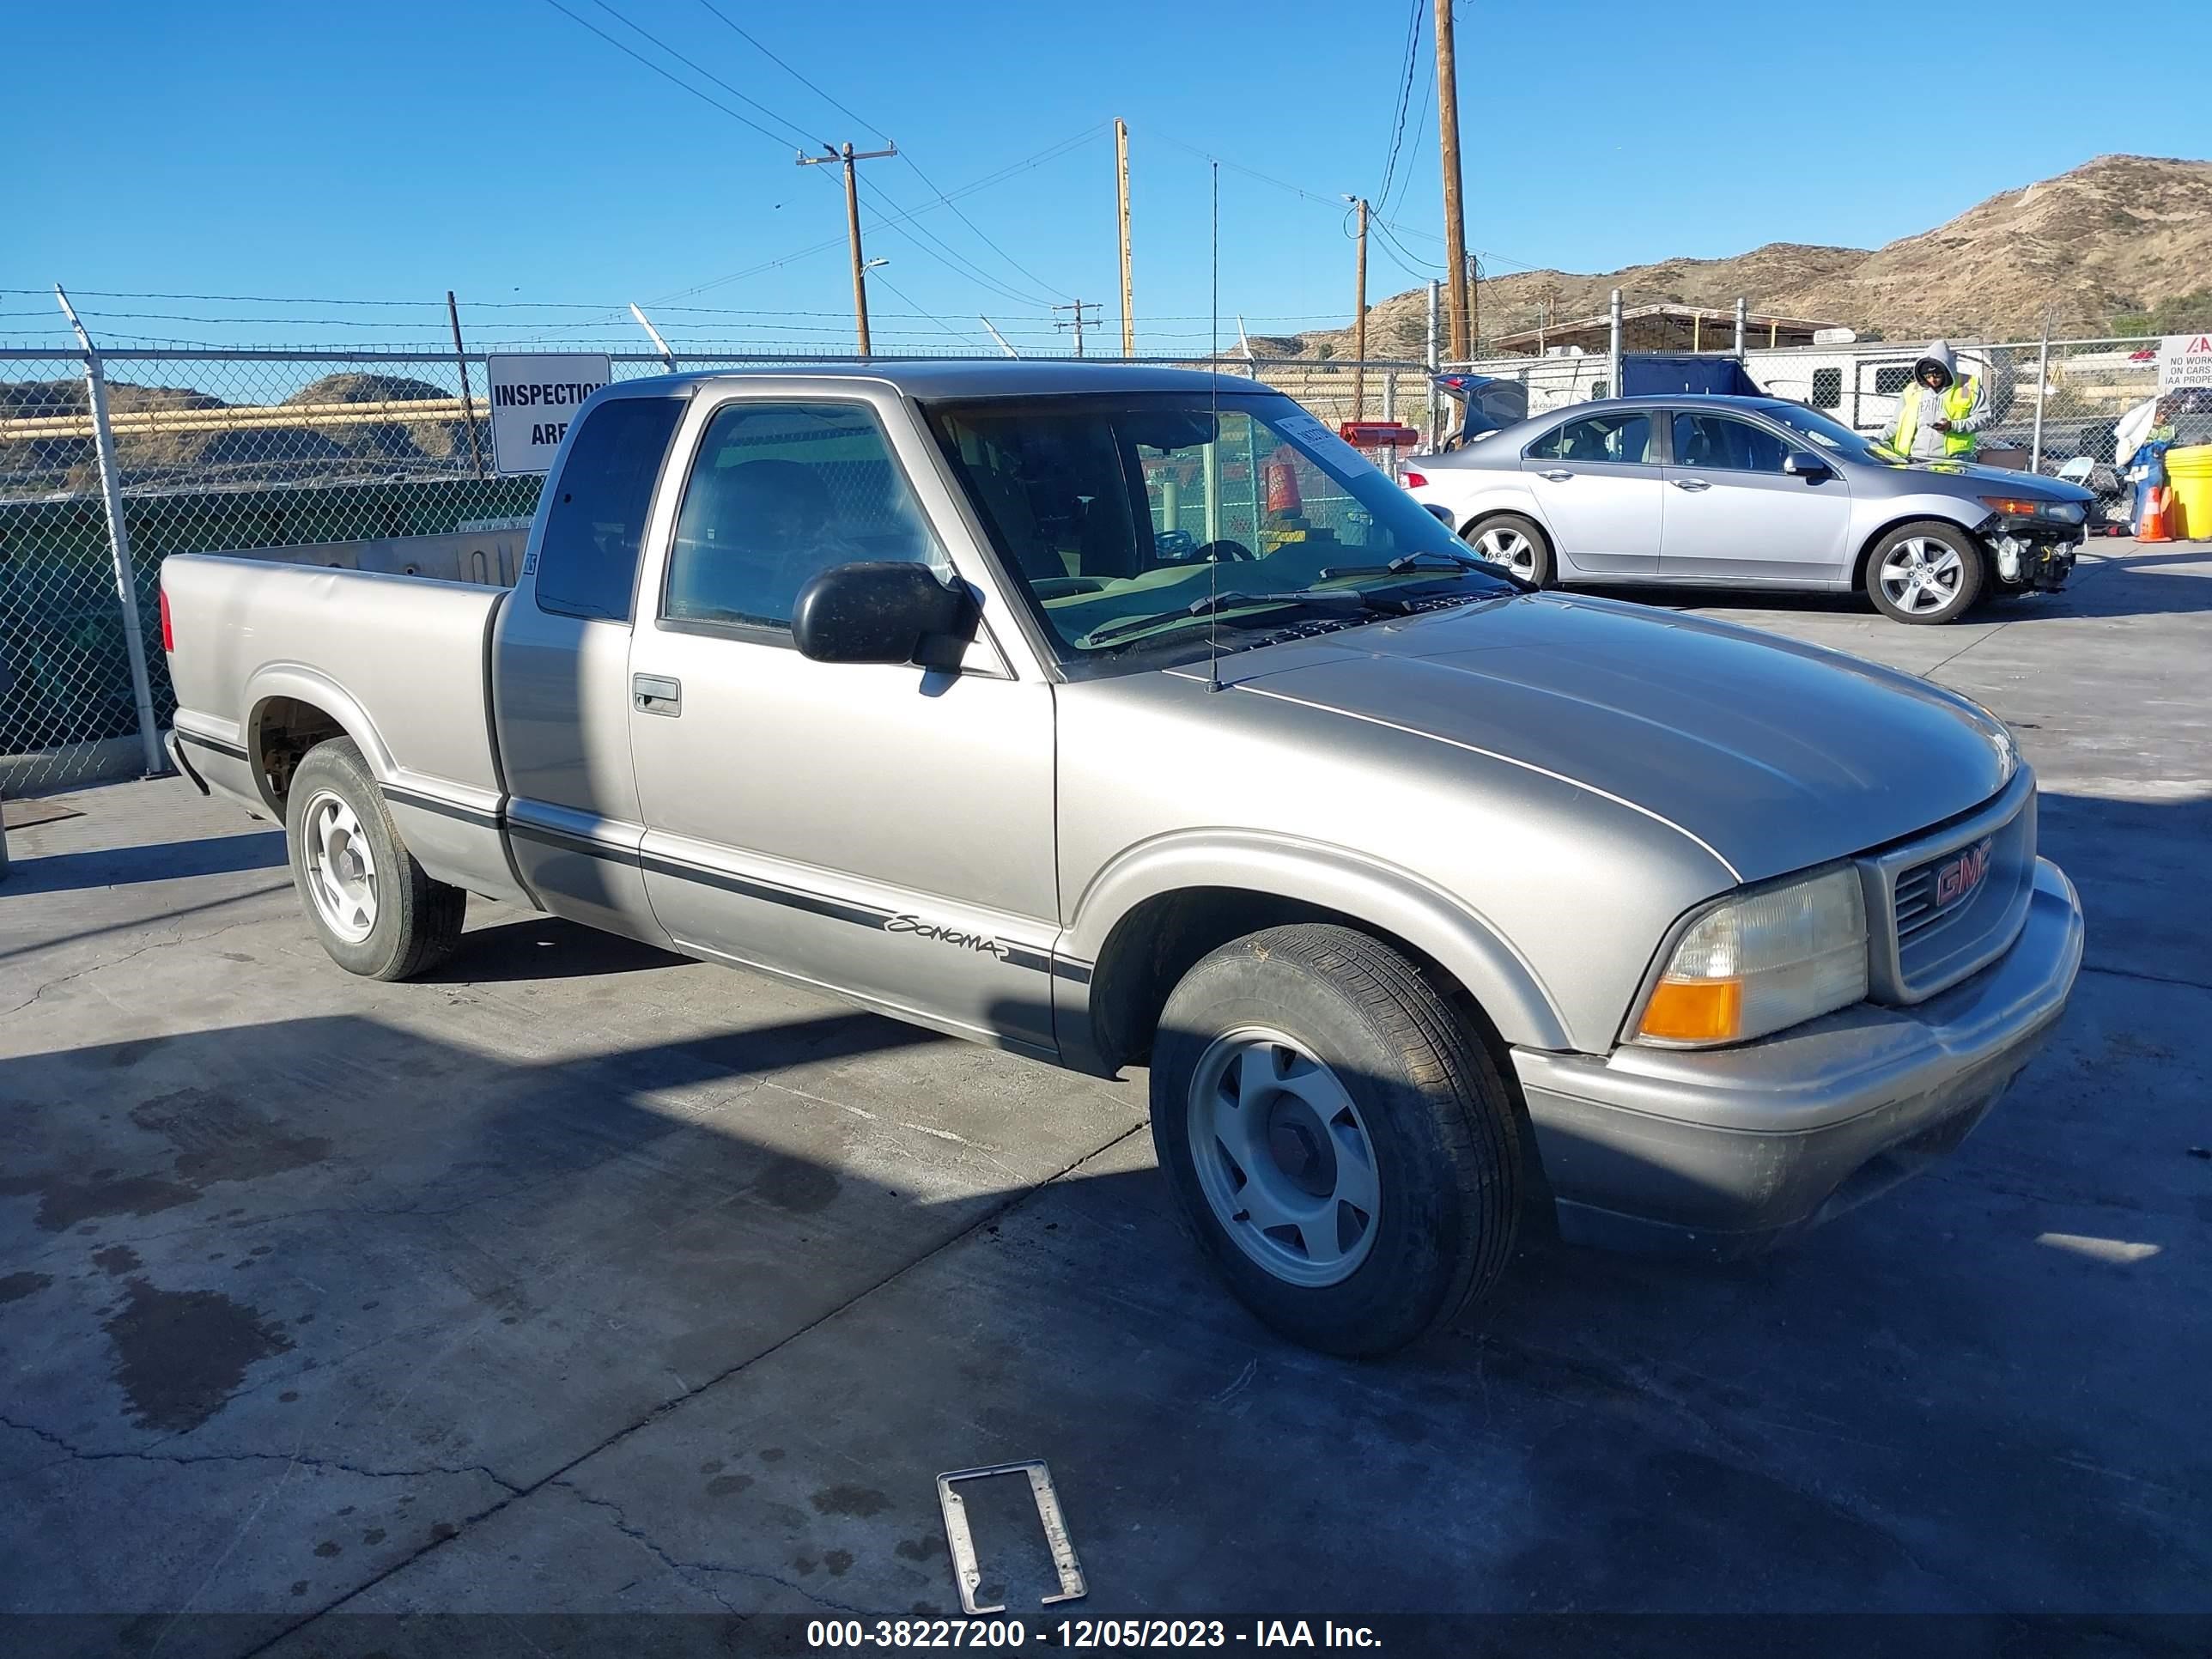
x=846, y=155
x=1359, y=319
x=1121, y=197
x=1460, y=310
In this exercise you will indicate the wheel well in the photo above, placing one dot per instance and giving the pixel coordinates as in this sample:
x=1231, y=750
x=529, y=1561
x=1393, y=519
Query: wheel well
x=283, y=730
x=1867, y=547
x=1161, y=939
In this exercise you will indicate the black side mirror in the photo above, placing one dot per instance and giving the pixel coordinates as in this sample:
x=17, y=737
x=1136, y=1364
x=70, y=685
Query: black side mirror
x=1804, y=464
x=882, y=610
x=1441, y=513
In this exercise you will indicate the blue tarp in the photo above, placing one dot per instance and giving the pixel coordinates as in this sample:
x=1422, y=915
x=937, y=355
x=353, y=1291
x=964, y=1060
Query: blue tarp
x=1664, y=374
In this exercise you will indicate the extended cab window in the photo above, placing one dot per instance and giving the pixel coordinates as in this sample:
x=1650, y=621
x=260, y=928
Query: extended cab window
x=1617, y=439
x=779, y=492
x=588, y=559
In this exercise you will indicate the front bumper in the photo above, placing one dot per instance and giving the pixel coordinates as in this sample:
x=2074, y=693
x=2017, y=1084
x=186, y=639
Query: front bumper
x=1724, y=1152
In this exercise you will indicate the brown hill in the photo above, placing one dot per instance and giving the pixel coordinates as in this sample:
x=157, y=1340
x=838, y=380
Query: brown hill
x=2116, y=235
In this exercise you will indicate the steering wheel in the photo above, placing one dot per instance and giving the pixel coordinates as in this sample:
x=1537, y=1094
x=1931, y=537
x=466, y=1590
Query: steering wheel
x=1226, y=551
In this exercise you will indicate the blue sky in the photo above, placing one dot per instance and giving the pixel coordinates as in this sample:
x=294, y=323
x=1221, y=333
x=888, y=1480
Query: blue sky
x=392, y=150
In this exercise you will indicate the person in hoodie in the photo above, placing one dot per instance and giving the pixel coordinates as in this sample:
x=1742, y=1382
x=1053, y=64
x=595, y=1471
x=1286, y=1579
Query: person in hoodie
x=1939, y=413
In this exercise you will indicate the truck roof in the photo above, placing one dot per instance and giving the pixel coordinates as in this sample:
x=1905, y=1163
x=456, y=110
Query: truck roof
x=980, y=376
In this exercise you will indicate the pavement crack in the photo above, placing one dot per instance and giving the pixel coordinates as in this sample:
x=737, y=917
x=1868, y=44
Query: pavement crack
x=2148, y=979
x=686, y=1571
x=73, y=1453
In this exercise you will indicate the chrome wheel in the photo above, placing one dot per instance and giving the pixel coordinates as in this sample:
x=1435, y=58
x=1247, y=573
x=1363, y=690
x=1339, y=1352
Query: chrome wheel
x=1283, y=1158
x=1921, y=574
x=1502, y=544
x=341, y=868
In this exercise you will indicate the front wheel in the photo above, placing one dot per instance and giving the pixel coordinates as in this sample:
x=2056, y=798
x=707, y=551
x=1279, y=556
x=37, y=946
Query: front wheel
x=1516, y=543
x=1337, y=1139
x=1925, y=573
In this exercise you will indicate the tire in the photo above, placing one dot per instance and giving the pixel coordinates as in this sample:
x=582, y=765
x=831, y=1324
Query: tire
x=1375, y=1089
x=1930, y=547
x=376, y=910
x=1516, y=542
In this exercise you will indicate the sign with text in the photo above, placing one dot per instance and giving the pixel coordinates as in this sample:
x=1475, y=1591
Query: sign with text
x=2185, y=360
x=532, y=401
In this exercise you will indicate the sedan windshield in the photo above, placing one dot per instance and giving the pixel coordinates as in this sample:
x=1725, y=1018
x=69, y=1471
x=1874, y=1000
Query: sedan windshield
x=1139, y=522
x=1833, y=434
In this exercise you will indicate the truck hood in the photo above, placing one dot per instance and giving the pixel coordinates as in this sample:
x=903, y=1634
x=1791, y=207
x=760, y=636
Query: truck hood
x=1775, y=755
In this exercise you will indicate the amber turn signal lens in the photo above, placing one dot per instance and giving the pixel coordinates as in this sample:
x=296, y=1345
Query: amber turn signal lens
x=1694, y=1010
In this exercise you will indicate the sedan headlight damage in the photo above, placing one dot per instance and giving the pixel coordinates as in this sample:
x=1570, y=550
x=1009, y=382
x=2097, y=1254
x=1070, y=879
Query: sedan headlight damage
x=1755, y=962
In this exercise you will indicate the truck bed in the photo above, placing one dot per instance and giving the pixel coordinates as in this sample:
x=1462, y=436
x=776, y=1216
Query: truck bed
x=398, y=663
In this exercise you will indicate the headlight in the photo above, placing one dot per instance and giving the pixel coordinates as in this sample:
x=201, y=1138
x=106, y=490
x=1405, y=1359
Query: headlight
x=1759, y=961
x=2022, y=506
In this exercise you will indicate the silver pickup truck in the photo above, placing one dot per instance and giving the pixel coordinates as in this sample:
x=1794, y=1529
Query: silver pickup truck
x=1116, y=715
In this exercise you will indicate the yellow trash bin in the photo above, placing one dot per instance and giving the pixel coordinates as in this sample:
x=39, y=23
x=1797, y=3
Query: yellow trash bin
x=2189, y=471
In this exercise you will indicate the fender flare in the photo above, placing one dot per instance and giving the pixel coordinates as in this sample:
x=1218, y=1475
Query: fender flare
x=1441, y=925
x=311, y=685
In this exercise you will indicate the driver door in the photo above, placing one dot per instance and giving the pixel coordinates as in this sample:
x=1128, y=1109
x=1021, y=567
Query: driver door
x=884, y=831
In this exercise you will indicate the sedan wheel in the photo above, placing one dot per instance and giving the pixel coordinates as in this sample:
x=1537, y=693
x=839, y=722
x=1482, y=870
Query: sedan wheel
x=1509, y=548
x=1925, y=573
x=1514, y=544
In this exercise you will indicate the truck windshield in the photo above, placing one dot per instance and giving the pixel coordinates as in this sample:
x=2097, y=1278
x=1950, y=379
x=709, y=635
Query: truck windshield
x=1139, y=522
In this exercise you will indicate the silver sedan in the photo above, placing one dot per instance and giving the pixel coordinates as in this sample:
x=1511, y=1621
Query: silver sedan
x=1749, y=492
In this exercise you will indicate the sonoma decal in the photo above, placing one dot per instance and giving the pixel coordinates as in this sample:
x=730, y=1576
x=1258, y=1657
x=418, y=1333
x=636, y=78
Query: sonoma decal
x=940, y=933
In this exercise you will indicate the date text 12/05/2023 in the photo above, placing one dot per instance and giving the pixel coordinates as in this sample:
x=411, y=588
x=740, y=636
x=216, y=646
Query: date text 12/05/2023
x=1086, y=1633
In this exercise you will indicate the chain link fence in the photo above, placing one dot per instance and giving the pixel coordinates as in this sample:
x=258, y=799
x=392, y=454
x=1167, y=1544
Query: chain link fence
x=215, y=451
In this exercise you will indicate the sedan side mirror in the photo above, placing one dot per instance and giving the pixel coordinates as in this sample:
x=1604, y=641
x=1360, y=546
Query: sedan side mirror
x=882, y=610
x=1804, y=464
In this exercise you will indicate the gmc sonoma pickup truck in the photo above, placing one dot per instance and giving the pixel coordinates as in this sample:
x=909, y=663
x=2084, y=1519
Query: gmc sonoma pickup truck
x=1114, y=716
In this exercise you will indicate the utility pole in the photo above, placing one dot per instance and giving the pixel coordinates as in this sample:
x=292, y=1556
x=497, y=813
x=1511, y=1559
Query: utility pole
x=1081, y=321
x=1359, y=317
x=846, y=155
x=1121, y=195
x=1459, y=318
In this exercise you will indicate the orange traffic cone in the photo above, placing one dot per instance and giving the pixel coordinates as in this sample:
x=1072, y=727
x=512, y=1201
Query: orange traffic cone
x=2156, y=510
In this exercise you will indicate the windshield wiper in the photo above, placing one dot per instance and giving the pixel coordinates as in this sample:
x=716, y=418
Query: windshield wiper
x=1210, y=603
x=1402, y=563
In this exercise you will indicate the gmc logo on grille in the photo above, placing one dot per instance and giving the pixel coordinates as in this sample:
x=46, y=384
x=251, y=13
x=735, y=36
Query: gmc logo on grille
x=1964, y=874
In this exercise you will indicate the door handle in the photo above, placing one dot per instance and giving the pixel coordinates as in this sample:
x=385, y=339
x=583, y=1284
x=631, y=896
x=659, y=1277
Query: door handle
x=1557, y=475
x=652, y=693
x=1691, y=484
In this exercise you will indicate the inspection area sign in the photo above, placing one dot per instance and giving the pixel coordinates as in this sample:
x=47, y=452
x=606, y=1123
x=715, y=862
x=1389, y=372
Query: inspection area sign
x=2185, y=360
x=532, y=401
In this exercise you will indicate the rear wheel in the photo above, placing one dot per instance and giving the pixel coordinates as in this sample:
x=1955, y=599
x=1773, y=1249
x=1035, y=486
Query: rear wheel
x=1925, y=573
x=377, y=911
x=1340, y=1143
x=1516, y=543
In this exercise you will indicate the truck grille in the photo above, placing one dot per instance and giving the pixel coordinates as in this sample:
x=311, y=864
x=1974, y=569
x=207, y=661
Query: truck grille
x=1953, y=901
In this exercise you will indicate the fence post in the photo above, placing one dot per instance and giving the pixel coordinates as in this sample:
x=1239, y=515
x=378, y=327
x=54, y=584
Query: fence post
x=1612, y=348
x=2042, y=390
x=119, y=540
x=1436, y=413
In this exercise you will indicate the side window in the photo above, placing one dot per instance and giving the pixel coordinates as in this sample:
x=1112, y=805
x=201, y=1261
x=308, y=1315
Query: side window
x=778, y=493
x=1620, y=439
x=1888, y=382
x=1827, y=388
x=1718, y=442
x=587, y=558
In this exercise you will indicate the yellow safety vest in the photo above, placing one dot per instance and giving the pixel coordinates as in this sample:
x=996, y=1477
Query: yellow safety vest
x=1957, y=401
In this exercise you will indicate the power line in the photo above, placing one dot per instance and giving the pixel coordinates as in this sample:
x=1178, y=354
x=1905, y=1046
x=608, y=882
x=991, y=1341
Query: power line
x=672, y=79
x=700, y=69
x=754, y=41
x=1405, y=99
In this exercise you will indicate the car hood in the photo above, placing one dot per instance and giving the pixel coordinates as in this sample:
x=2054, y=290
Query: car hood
x=1973, y=478
x=1776, y=755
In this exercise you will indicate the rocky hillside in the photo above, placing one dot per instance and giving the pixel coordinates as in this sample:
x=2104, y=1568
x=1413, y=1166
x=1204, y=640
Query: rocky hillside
x=2116, y=236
